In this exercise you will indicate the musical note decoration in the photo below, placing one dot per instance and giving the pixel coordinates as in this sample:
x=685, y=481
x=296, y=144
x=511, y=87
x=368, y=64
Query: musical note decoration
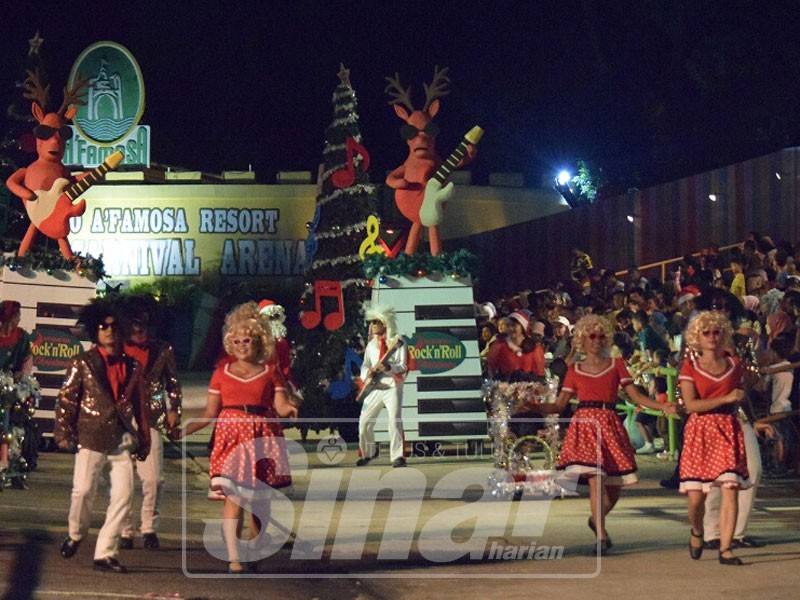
x=392, y=244
x=339, y=389
x=346, y=177
x=368, y=246
x=324, y=288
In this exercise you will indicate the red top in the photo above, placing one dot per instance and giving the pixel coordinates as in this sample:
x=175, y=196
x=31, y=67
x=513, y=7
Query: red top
x=115, y=370
x=258, y=390
x=504, y=360
x=138, y=353
x=597, y=387
x=708, y=385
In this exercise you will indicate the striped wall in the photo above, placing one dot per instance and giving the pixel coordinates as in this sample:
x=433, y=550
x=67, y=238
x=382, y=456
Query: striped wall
x=671, y=219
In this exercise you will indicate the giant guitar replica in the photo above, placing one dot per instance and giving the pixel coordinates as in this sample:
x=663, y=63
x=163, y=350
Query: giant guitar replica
x=46, y=186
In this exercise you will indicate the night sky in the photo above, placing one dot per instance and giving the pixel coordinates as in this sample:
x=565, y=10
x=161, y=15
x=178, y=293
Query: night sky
x=648, y=91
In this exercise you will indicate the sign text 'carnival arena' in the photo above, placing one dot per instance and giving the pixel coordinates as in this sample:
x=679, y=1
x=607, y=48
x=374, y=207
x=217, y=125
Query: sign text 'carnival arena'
x=190, y=236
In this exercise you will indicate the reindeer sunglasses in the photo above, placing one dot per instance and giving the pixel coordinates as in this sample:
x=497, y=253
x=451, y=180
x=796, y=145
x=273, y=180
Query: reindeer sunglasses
x=45, y=132
x=408, y=131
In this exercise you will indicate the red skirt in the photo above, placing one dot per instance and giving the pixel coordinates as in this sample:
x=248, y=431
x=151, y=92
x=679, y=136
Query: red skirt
x=713, y=453
x=249, y=456
x=611, y=456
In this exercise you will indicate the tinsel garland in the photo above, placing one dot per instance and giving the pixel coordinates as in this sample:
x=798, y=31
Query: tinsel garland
x=18, y=402
x=515, y=473
x=338, y=231
x=338, y=147
x=358, y=189
x=339, y=260
x=456, y=264
x=50, y=262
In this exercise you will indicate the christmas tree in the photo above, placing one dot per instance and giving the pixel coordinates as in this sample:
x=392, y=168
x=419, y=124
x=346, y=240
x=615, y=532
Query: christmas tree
x=345, y=200
x=17, y=144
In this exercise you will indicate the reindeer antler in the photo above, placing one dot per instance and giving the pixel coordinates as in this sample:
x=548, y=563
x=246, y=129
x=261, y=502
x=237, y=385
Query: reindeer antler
x=399, y=95
x=33, y=89
x=75, y=94
x=438, y=86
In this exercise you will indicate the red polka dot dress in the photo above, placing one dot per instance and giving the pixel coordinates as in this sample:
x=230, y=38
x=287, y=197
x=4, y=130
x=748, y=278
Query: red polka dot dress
x=713, y=451
x=249, y=455
x=596, y=442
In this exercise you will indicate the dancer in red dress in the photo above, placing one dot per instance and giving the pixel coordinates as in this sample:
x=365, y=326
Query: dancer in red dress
x=596, y=449
x=249, y=456
x=713, y=442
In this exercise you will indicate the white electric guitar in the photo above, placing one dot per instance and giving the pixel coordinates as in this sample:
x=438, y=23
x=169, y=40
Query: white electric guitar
x=436, y=192
x=52, y=209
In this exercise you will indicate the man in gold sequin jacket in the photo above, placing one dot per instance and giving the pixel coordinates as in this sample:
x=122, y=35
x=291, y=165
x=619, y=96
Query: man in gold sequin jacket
x=163, y=393
x=101, y=414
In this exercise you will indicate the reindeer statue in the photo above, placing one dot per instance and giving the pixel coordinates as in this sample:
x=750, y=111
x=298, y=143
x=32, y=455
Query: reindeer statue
x=46, y=187
x=419, y=131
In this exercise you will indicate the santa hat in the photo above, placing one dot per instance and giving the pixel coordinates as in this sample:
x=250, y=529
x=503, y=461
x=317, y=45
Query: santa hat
x=384, y=314
x=276, y=315
x=522, y=319
x=537, y=328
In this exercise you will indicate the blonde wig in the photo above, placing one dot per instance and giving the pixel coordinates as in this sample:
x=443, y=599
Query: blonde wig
x=245, y=320
x=590, y=324
x=708, y=320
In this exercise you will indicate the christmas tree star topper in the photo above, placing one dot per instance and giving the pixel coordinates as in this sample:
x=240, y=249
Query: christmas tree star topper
x=35, y=43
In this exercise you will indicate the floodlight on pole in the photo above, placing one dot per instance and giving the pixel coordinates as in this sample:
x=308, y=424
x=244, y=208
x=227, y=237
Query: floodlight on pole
x=563, y=177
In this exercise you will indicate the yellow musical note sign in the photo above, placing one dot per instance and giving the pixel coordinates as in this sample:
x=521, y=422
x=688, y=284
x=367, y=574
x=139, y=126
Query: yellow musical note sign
x=368, y=246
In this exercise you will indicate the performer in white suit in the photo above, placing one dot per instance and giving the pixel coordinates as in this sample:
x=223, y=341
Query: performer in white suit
x=386, y=387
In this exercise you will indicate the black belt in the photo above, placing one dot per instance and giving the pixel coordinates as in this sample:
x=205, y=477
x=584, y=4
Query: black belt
x=249, y=409
x=720, y=410
x=596, y=404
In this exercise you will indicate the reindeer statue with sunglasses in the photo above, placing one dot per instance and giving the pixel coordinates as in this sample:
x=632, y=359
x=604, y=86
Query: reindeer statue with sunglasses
x=419, y=131
x=46, y=186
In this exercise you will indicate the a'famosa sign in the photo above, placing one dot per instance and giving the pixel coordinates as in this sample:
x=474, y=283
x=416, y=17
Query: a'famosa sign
x=109, y=121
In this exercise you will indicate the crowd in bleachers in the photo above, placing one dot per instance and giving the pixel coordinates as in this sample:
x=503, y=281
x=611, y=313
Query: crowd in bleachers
x=755, y=282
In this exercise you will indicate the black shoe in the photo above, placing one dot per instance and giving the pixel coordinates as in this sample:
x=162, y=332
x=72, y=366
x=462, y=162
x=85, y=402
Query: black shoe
x=362, y=461
x=602, y=548
x=606, y=541
x=151, y=541
x=125, y=543
x=696, y=551
x=399, y=462
x=69, y=547
x=746, y=542
x=109, y=564
x=732, y=560
x=711, y=545
x=18, y=483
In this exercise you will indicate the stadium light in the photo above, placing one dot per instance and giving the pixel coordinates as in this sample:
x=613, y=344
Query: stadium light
x=563, y=177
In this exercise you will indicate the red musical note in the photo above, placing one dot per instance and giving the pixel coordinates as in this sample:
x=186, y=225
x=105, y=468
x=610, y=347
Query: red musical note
x=325, y=289
x=394, y=250
x=345, y=177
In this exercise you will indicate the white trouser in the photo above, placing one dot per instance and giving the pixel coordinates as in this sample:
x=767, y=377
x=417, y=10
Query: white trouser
x=88, y=468
x=746, y=497
x=149, y=472
x=392, y=399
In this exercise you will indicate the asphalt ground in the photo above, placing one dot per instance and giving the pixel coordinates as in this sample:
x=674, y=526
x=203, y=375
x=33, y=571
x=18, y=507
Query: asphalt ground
x=346, y=533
